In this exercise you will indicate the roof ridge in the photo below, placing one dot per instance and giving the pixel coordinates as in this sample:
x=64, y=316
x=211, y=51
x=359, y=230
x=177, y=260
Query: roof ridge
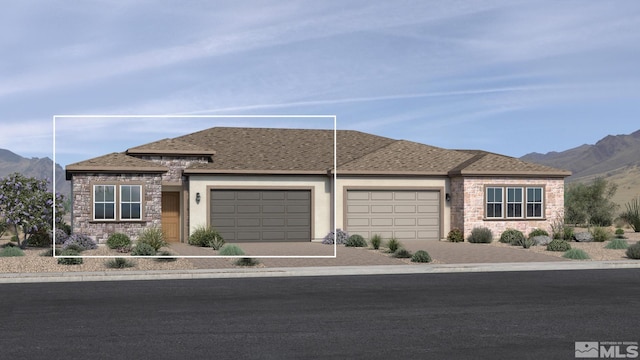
x=465, y=164
x=370, y=152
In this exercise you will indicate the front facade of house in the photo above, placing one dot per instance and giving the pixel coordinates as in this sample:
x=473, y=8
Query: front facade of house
x=278, y=185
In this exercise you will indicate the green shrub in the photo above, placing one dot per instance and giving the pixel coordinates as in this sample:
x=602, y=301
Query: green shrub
x=480, y=235
x=153, y=236
x=231, y=250
x=633, y=251
x=558, y=245
x=67, y=260
x=576, y=254
x=15, y=238
x=247, y=262
x=41, y=238
x=119, y=263
x=561, y=231
x=376, y=241
x=455, y=235
x=527, y=243
x=620, y=233
x=64, y=227
x=11, y=251
x=143, y=249
x=206, y=236
x=600, y=234
x=165, y=259
x=402, y=253
x=511, y=236
x=421, y=256
x=118, y=240
x=75, y=247
x=632, y=214
x=617, y=244
x=393, y=244
x=356, y=240
x=537, y=232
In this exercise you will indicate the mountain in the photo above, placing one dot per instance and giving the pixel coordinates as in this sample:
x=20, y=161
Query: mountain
x=615, y=158
x=40, y=168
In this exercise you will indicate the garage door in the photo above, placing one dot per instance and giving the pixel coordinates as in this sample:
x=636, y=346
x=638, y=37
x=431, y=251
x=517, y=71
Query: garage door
x=262, y=215
x=405, y=215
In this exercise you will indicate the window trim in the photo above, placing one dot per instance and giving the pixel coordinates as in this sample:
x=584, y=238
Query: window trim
x=117, y=203
x=494, y=203
x=521, y=202
x=114, y=202
x=122, y=202
x=525, y=202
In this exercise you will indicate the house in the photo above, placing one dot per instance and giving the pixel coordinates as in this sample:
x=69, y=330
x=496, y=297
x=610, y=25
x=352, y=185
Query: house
x=262, y=184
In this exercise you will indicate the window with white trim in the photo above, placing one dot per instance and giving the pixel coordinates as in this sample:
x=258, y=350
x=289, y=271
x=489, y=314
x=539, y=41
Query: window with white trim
x=104, y=202
x=130, y=202
x=494, y=202
x=534, y=202
x=514, y=202
x=518, y=202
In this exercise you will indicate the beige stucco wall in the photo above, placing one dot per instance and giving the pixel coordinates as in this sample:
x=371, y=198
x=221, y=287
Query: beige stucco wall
x=391, y=183
x=468, y=211
x=320, y=185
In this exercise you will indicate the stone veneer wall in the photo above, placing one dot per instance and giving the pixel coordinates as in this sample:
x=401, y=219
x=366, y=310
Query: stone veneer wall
x=467, y=204
x=81, y=217
x=175, y=164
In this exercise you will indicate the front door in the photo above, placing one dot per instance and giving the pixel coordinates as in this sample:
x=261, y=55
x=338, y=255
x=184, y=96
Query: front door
x=171, y=216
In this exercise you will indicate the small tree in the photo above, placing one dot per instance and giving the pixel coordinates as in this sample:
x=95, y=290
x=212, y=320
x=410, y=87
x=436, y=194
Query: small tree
x=591, y=203
x=26, y=205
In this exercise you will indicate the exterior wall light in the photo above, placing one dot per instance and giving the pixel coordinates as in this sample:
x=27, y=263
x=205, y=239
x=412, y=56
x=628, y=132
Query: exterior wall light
x=447, y=197
x=197, y=198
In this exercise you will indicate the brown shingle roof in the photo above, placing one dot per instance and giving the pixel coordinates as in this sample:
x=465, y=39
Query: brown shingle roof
x=304, y=151
x=170, y=147
x=114, y=163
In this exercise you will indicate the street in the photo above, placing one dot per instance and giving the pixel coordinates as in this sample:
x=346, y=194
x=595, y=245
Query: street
x=523, y=315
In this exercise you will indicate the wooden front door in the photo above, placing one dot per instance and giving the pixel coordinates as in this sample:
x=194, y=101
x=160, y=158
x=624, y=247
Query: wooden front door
x=171, y=216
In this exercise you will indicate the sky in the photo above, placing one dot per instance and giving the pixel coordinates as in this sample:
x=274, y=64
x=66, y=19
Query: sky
x=511, y=77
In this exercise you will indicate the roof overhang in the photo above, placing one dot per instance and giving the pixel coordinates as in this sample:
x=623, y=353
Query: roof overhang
x=251, y=172
x=533, y=174
x=112, y=170
x=170, y=152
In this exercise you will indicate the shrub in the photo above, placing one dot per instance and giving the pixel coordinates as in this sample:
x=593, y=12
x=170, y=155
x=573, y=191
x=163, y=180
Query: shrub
x=340, y=239
x=61, y=236
x=165, y=259
x=558, y=245
x=402, y=253
x=600, y=234
x=82, y=241
x=4, y=226
x=511, y=236
x=480, y=235
x=11, y=251
x=125, y=249
x=119, y=263
x=376, y=240
x=356, y=240
x=620, y=233
x=66, y=228
x=527, y=243
x=206, y=236
x=69, y=261
x=538, y=232
x=393, y=244
x=153, y=236
x=15, y=238
x=561, y=231
x=41, y=238
x=455, y=235
x=231, y=250
x=75, y=247
x=576, y=254
x=421, y=256
x=632, y=214
x=118, y=240
x=617, y=244
x=143, y=249
x=633, y=251
x=247, y=262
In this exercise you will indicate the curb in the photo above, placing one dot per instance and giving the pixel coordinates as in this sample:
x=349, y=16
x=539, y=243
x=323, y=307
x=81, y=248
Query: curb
x=13, y=278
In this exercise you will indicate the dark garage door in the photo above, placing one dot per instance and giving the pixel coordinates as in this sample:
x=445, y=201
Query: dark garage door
x=403, y=214
x=262, y=215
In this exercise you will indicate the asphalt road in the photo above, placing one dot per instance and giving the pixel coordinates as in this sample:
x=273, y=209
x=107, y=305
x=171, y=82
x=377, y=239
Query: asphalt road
x=510, y=315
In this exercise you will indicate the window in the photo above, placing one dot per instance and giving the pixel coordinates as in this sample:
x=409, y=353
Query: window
x=104, y=202
x=514, y=202
x=130, y=202
x=518, y=202
x=125, y=204
x=534, y=202
x=494, y=202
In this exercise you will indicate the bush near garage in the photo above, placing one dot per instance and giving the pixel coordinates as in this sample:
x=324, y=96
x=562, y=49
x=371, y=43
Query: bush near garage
x=356, y=240
x=455, y=235
x=480, y=235
x=376, y=241
x=421, y=256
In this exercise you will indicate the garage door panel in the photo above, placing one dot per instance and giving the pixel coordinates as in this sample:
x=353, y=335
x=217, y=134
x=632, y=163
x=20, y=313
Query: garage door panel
x=404, y=214
x=262, y=215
